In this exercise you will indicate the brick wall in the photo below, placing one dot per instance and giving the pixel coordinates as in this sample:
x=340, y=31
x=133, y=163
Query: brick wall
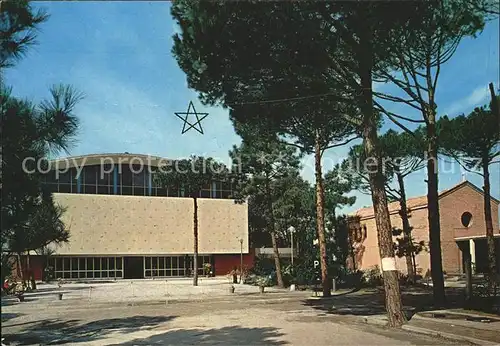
x=225, y=263
x=452, y=206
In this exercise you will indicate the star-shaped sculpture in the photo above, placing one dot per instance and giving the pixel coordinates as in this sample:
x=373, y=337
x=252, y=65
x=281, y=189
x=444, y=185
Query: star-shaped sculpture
x=185, y=119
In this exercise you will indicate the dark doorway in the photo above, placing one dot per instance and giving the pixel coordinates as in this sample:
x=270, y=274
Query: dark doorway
x=134, y=267
x=464, y=247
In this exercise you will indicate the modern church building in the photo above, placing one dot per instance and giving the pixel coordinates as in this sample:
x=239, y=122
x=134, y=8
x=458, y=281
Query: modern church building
x=122, y=225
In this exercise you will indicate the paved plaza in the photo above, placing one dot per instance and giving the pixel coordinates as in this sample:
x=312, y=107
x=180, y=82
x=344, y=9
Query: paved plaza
x=117, y=314
x=127, y=291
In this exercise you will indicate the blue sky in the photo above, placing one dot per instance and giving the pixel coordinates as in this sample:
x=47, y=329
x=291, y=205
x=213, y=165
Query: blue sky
x=118, y=55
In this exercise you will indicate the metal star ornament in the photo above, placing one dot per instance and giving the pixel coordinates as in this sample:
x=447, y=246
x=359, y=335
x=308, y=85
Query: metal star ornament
x=184, y=117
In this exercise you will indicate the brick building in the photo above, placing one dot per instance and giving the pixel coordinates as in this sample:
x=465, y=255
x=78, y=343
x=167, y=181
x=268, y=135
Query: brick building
x=462, y=229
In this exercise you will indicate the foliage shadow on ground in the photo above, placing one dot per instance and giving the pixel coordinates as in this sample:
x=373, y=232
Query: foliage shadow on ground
x=58, y=332
x=234, y=335
x=369, y=302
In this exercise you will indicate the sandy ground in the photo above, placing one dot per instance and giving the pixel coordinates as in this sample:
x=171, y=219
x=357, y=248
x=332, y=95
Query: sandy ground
x=216, y=317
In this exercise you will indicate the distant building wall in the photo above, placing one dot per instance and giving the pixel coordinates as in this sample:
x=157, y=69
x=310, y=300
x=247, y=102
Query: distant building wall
x=139, y=225
x=452, y=206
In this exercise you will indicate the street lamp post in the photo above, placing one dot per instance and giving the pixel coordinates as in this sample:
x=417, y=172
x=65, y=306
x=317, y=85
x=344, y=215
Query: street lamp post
x=291, y=229
x=241, y=260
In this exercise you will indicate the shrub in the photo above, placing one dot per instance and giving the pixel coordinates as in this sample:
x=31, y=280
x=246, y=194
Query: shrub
x=372, y=277
x=350, y=278
x=263, y=281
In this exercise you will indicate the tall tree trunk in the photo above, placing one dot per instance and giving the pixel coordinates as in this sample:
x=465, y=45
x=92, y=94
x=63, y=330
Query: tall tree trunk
x=320, y=216
x=433, y=213
x=394, y=306
x=272, y=225
x=492, y=261
x=19, y=267
x=31, y=277
x=195, y=236
x=406, y=228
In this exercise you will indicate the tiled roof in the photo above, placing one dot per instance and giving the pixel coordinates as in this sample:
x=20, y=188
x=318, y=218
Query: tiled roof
x=413, y=203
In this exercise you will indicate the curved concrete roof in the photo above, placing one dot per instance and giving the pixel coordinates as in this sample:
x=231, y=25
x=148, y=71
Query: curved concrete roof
x=110, y=158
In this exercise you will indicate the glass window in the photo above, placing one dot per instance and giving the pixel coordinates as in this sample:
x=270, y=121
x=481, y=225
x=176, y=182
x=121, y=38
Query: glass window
x=90, y=275
x=138, y=176
x=104, y=263
x=59, y=264
x=65, y=177
x=81, y=275
x=65, y=263
x=97, y=275
x=103, y=190
x=65, y=188
x=89, y=189
x=111, y=263
x=126, y=176
x=127, y=190
x=74, y=264
x=119, y=274
x=73, y=172
x=118, y=263
x=139, y=191
x=81, y=264
x=51, y=187
x=148, y=263
x=97, y=263
x=90, y=263
x=90, y=175
x=103, y=174
x=161, y=263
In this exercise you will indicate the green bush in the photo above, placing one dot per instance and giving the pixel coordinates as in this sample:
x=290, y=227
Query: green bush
x=372, y=277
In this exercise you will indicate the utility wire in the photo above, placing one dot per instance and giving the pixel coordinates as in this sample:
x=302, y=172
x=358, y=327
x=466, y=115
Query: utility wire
x=283, y=99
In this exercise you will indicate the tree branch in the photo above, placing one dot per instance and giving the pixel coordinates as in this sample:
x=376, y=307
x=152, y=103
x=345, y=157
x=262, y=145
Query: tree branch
x=397, y=99
x=341, y=144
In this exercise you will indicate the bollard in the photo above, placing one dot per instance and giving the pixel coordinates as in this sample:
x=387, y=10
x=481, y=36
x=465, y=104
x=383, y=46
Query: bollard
x=334, y=285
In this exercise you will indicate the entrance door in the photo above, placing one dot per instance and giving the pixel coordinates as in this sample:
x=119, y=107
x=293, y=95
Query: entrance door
x=133, y=267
